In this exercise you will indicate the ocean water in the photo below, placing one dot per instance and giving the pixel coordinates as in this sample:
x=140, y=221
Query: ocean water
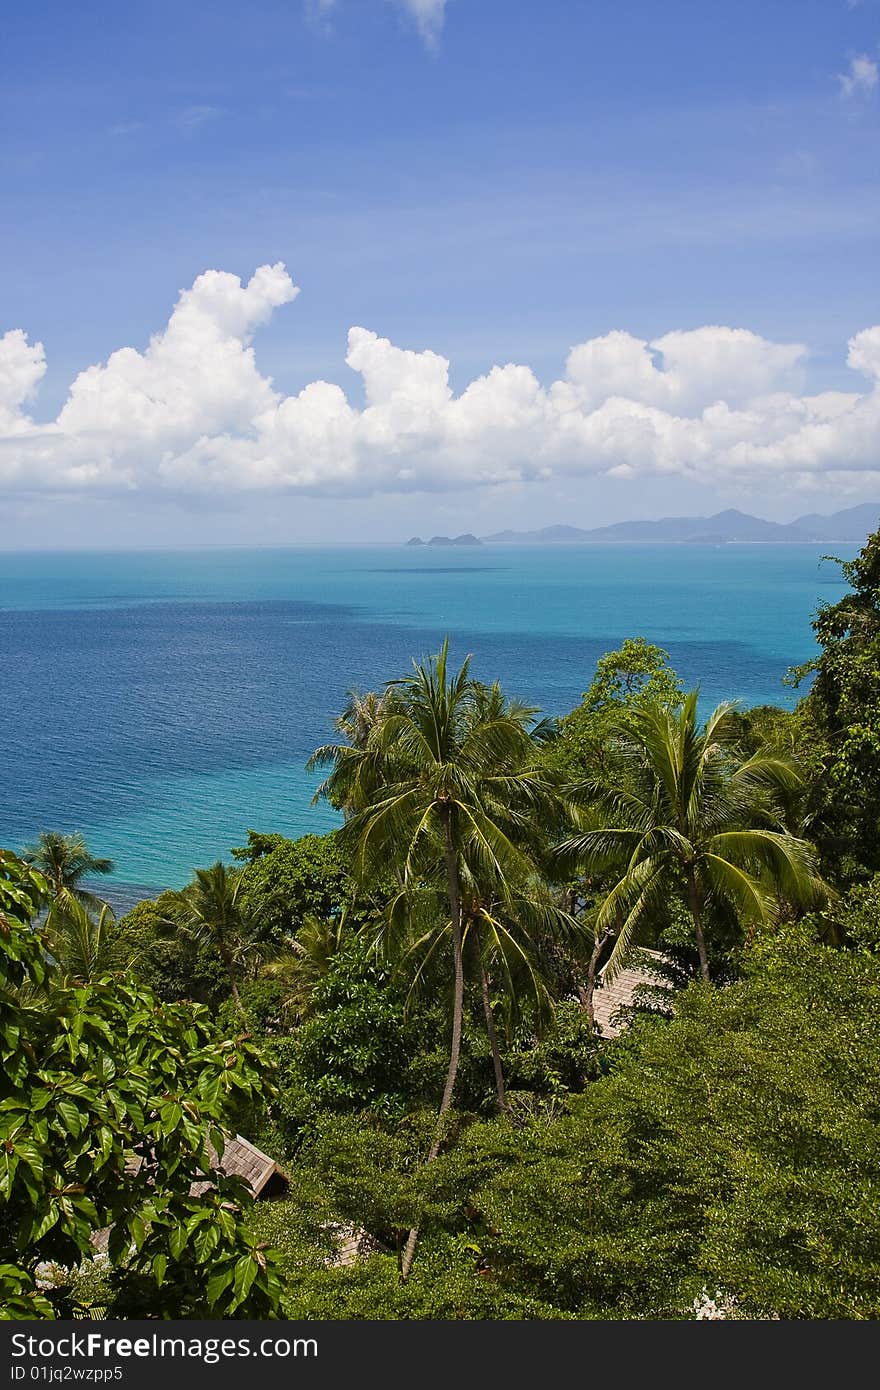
x=163, y=702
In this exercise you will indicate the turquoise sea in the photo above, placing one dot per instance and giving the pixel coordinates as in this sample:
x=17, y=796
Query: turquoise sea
x=164, y=702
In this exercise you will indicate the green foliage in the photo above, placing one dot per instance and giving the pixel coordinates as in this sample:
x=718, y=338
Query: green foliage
x=23, y=890
x=360, y=1178
x=441, y=786
x=354, y=1049
x=792, y=735
x=365, y=1046
x=636, y=674
x=166, y=959
x=262, y=1006
x=767, y=729
x=352, y=1052
x=736, y=1148
x=844, y=708
x=297, y=968
x=19, y=1297
x=287, y=882
x=211, y=914
x=858, y=917
x=368, y=1170
x=563, y=1060
x=446, y=1285
x=448, y=764
x=299, y=1227
x=109, y=1101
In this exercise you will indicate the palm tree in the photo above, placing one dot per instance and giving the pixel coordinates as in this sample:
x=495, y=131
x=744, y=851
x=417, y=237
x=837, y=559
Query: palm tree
x=689, y=814
x=303, y=961
x=213, y=915
x=83, y=946
x=505, y=941
x=442, y=781
x=65, y=860
x=361, y=764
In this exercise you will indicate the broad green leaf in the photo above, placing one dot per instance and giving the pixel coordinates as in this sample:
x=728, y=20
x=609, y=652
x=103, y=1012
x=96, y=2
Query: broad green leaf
x=217, y=1283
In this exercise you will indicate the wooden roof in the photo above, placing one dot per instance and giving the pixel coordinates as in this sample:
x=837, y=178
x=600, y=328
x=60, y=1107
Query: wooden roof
x=242, y=1159
x=618, y=994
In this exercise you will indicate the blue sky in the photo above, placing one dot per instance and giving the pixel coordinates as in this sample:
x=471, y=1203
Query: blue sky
x=496, y=187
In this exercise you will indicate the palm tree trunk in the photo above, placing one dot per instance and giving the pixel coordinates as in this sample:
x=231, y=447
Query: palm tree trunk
x=235, y=994
x=236, y=997
x=586, y=992
x=695, y=906
x=457, y=1018
x=500, y=1088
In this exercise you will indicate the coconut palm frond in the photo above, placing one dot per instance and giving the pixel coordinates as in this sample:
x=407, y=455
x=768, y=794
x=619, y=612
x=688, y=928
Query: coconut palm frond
x=64, y=861
x=700, y=816
x=83, y=945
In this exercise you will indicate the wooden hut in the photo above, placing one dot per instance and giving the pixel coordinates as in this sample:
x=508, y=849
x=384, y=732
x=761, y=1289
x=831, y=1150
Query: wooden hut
x=242, y=1159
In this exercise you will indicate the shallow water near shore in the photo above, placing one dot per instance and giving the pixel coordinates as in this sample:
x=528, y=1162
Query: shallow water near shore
x=163, y=702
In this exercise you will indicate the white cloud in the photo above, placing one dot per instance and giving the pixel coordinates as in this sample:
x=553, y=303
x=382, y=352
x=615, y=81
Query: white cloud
x=428, y=14
x=696, y=366
x=22, y=367
x=192, y=413
x=861, y=77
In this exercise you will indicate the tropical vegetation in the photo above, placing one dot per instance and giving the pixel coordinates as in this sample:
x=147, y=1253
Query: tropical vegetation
x=405, y=1014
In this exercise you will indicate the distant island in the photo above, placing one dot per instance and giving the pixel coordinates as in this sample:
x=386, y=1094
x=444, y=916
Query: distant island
x=724, y=528
x=466, y=539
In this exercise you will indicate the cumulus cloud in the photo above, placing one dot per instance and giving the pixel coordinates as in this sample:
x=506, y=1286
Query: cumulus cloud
x=22, y=367
x=861, y=77
x=193, y=413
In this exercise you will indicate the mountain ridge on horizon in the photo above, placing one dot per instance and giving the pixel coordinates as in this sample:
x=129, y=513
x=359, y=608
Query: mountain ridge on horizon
x=852, y=524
